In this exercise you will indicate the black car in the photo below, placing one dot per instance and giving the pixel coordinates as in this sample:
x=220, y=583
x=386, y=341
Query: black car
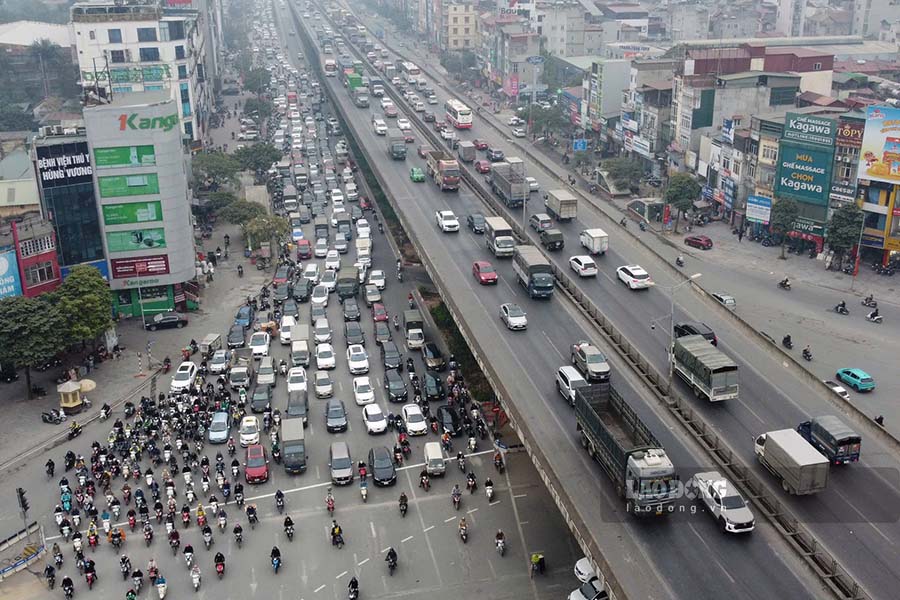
x=282, y=292
x=353, y=333
x=283, y=273
x=236, y=337
x=351, y=309
x=695, y=328
x=290, y=308
x=172, y=320
x=261, y=398
x=449, y=420
x=391, y=357
x=356, y=213
x=434, y=359
x=475, y=222
x=381, y=462
x=495, y=154
x=303, y=290
x=335, y=416
x=395, y=386
x=434, y=386
x=382, y=332
x=317, y=311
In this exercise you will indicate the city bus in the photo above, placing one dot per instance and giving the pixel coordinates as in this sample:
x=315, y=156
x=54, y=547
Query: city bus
x=458, y=114
x=330, y=67
x=409, y=72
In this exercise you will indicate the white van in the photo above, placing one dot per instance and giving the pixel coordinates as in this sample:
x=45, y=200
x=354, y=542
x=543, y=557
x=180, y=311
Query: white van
x=434, y=459
x=285, y=327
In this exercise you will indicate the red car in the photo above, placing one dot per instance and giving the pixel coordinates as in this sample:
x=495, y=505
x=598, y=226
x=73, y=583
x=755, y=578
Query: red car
x=304, y=249
x=256, y=465
x=483, y=166
x=439, y=126
x=364, y=204
x=379, y=312
x=423, y=150
x=699, y=241
x=407, y=136
x=480, y=144
x=484, y=272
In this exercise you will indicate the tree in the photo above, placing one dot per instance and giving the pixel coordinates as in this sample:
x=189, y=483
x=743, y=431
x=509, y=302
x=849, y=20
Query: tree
x=784, y=213
x=681, y=193
x=266, y=228
x=33, y=331
x=257, y=81
x=48, y=56
x=214, y=168
x=553, y=119
x=85, y=301
x=624, y=172
x=261, y=108
x=14, y=119
x=843, y=229
x=581, y=159
x=241, y=212
x=216, y=201
x=258, y=157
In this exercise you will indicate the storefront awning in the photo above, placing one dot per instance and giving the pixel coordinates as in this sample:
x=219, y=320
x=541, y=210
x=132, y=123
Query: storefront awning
x=701, y=204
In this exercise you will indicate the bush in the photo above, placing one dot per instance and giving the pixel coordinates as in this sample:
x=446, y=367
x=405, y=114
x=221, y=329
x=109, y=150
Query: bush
x=479, y=388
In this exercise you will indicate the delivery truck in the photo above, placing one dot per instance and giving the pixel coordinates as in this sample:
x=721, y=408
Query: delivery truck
x=801, y=468
x=616, y=437
x=561, y=205
x=705, y=368
x=240, y=375
x=414, y=328
x=396, y=144
x=595, y=241
x=533, y=271
x=507, y=180
x=466, y=151
x=830, y=436
x=347, y=285
x=498, y=237
x=443, y=169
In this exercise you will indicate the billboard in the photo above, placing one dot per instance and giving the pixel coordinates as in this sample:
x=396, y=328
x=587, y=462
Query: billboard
x=850, y=133
x=137, y=239
x=125, y=156
x=759, y=209
x=128, y=185
x=132, y=212
x=804, y=173
x=10, y=282
x=64, y=164
x=879, y=159
x=138, y=266
x=809, y=129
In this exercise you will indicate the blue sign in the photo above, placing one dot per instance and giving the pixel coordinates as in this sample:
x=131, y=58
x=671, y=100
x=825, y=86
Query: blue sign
x=10, y=282
x=707, y=193
x=730, y=192
x=759, y=209
x=101, y=265
x=535, y=60
x=579, y=145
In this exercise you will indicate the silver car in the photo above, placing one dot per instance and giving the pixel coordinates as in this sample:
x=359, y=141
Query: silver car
x=219, y=428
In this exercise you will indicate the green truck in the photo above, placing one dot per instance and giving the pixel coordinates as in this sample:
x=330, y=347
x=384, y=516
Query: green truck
x=396, y=144
x=708, y=371
x=347, y=285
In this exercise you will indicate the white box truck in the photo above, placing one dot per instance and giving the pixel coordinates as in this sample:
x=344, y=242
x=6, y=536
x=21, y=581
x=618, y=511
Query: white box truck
x=801, y=468
x=595, y=241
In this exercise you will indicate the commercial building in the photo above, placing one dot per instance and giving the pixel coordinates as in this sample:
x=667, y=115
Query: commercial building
x=879, y=181
x=141, y=183
x=458, y=26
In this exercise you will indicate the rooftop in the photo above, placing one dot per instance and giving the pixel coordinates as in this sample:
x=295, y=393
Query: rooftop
x=25, y=33
x=16, y=165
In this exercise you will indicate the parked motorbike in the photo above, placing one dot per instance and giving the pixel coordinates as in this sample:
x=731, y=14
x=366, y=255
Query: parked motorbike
x=53, y=416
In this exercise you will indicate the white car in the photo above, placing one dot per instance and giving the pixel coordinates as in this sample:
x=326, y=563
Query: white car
x=311, y=272
x=357, y=359
x=337, y=197
x=837, y=389
x=515, y=121
x=448, y=134
x=249, y=431
x=321, y=250
x=724, y=503
x=329, y=280
x=325, y=357
x=320, y=295
x=378, y=279
x=323, y=384
x=394, y=81
x=533, y=185
x=385, y=102
x=363, y=392
x=513, y=316
x=259, y=344
x=333, y=260
x=403, y=124
x=518, y=132
x=583, y=265
x=634, y=276
x=362, y=229
x=335, y=211
x=374, y=418
x=380, y=127
x=219, y=362
x=322, y=331
x=184, y=377
x=432, y=99
x=416, y=424
x=446, y=221
x=296, y=379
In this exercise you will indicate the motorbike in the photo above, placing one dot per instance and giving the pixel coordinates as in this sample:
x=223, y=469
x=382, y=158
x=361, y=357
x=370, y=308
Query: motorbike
x=785, y=285
x=161, y=587
x=457, y=500
x=807, y=355
x=208, y=540
x=501, y=547
x=392, y=565
x=74, y=432
x=220, y=569
x=53, y=416
x=195, y=579
x=869, y=302
x=489, y=492
x=841, y=310
x=464, y=534
x=363, y=490
x=874, y=319
x=403, y=508
x=787, y=343
x=276, y=564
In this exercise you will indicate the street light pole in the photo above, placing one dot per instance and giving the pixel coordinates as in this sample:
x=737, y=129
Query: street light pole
x=671, y=349
x=862, y=228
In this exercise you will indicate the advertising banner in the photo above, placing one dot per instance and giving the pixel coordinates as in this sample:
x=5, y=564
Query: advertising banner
x=850, y=133
x=730, y=190
x=64, y=164
x=138, y=239
x=759, y=209
x=128, y=185
x=132, y=212
x=138, y=266
x=804, y=173
x=10, y=282
x=843, y=193
x=125, y=156
x=809, y=129
x=879, y=159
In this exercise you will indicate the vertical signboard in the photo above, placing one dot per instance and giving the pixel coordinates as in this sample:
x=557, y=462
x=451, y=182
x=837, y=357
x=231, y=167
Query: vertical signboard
x=10, y=282
x=64, y=164
x=804, y=173
x=759, y=209
x=879, y=158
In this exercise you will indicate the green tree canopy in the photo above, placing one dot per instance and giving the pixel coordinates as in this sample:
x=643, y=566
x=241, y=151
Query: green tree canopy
x=213, y=169
x=262, y=108
x=216, y=201
x=33, y=330
x=242, y=212
x=266, y=228
x=12, y=118
x=784, y=213
x=548, y=120
x=258, y=157
x=257, y=81
x=843, y=229
x=85, y=301
x=681, y=193
x=624, y=172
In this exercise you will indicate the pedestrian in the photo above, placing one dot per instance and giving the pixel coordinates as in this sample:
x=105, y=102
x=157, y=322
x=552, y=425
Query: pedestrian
x=740, y=234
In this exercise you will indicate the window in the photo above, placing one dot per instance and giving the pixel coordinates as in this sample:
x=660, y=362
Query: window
x=455, y=20
x=179, y=52
x=149, y=54
x=182, y=72
x=146, y=34
x=751, y=170
x=726, y=163
x=467, y=30
x=189, y=130
x=817, y=67
x=770, y=153
x=781, y=96
x=174, y=30
x=117, y=56
x=36, y=246
x=39, y=273
x=91, y=34
x=115, y=36
x=154, y=292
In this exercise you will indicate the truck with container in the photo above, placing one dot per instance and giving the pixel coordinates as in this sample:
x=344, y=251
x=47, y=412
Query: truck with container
x=831, y=436
x=561, y=205
x=347, y=285
x=320, y=227
x=396, y=144
x=616, y=437
x=376, y=84
x=443, y=169
x=507, y=180
x=705, y=368
x=414, y=328
x=466, y=151
x=300, y=345
x=240, y=373
x=595, y=241
x=498, y=237
x=801, y=468
x=293, y=446
x=533, y=271
x=360, y=97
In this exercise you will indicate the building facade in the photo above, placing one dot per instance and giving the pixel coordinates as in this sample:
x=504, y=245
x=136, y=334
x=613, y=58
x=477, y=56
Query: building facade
x=458, y=26
x=36, y=256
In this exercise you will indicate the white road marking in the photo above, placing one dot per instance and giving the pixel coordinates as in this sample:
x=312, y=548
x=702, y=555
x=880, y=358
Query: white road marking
x=319, y=589
x=427, y=529
x=406, y=539
x=517, y=496
x=472, y=510
x=383, y=550
x=341, y=575
x=450, y=519
x=372, y=528
x=495, y=502
x=550, y=344
x=362, y=562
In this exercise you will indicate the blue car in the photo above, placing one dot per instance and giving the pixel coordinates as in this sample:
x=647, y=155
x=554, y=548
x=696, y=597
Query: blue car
x=857, y=379
x=244, y=316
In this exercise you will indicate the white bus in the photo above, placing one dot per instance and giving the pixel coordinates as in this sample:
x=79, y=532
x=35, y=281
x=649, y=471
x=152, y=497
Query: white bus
x=458, y=114
x=330, y=67
x=409, y=72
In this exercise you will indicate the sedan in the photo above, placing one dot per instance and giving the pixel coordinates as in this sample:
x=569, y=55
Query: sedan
x=325, y=356
x=416, y=175
x=296, y=379
x=244, y=316
x=446, y=221
x=583, y=265
x=422, y=150
x=857, y=379
x=449, y=420
x=350, y=309
x=513, y=316
x=261, y=399
x=219, y=427
x=363, y=392
x=372, y=295
x=382, y=332
x=335, y=416
x=381, y=463
x=235, y=337
x=403, y=124
x=321, y=250
x=218, y=364
x=480, y=144
x=415, y=421
x=323, y=384
x=475, y=222
x=391, y=357
x=484, y=272
x=291, y=308
x=184, y=377
x=699, y=241
x=395, y=386
x=434, y=386
x=354, y=334
x=448, y=134
x=374, y=418
x=378, y=279
x=303, y=290
x=428, y=117
x=320, y=295
x=172, y=320
x=256, y=466
x=433, y=357
x=249, y=431
x=311, y=273
x=726, y=300
x=483, y=166
x=518, y=132
x=379, y=312
x=321, y=331
x=634, y=276
x=357, y=359
x=333, y=260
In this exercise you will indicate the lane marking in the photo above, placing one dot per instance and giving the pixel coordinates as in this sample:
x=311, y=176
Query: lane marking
x=319, y=589
x=494, y=503
x=341, y=575
x=517, y=496
x=470, y=511
x=383, y=550
x=372, y=528
x=362, y=562
x=552, y=345
x=427, y=529
x=450, y=519
x=406, y=539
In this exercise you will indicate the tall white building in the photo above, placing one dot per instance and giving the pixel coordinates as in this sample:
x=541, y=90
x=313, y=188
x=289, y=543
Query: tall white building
x=790, y=17
x=129, y=46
